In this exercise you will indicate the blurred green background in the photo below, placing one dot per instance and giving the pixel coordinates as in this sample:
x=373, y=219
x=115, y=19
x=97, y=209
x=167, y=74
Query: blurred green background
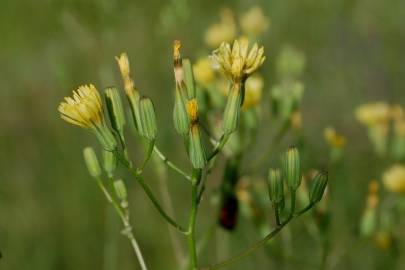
x=52, y=216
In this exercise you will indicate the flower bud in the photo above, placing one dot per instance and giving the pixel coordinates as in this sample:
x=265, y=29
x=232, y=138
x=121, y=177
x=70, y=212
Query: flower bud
x=189, y=78
x=292, y=168
x=148, y=118
x=115, y=110
x=91, y=161
x=276, y=187
x=109, y=163
x=180, y=117
x=120, y=190
x=192, y=111
x=133, y=98
x=318, y=187
x=232, y=108
x=196, y=149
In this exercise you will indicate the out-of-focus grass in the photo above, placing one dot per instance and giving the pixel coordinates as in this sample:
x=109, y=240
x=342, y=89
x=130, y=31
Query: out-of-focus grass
x=51, y=214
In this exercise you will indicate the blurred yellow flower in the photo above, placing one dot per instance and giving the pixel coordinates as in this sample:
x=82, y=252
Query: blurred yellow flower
x=84, y=109
x=203, y=71
x=254, y=22
x=394, y=179
x=253, y=91
x=374, y=113
x=238, y=62
x=399, y=120
x=334, y=139
x=224, y=31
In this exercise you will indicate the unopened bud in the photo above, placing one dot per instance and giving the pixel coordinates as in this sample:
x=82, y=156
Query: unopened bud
x=292, y=168
x=120, y=190
x=197, y=154
x=115, y=110
x=232, y=108
x=91, y=161
x=148, y=119
x=109, y=163
x=276, y=187
x=318, y=187
x=180, y=118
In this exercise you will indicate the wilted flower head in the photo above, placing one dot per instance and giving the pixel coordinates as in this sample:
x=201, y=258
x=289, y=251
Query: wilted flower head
x=192, y=110
x=238, y=62
x=223, y=31
x=203, y=71
x=394, y=179
x=254, y=22
x=84, y=109
x=373, y=113
x=333, y=138
x=253, y=91
x=123, y=64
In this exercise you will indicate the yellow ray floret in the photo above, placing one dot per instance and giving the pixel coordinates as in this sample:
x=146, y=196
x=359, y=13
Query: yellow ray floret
x=238, y=61
x=84, y=108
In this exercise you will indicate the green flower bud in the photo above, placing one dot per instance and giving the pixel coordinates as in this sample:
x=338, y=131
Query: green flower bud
x=189, y=78
x=232, y=108
x=180, y=117
x=196, y=149
x=292, y=168
x=105, y=137
x=120, y=190
x=276, y=187
x=133, y=98
x=148, y=119
x=368, y=222
x=91, y=161
x=109, y=163
x=115, y=110
x=318, y=187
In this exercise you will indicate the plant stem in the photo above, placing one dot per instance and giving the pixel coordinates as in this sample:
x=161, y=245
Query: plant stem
x=220, y=145
x=277, y=214
x=192, y=220
x=258, y=244
x=149, y=193
x=125, y=220
x=158, y=207
x=292, y=206
x=170, y=164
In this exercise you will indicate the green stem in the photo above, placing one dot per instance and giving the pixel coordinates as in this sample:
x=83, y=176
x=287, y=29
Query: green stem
x=258, y=244
x=292, y=206
x=158, y=207
x=192, y=220
x=171, y=164
x=277, y=213
x=150, y=195
x=219, y=146
x=125, y=221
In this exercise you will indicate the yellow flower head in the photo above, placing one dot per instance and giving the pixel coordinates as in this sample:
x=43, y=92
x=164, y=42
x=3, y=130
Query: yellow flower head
x=84, y=109
x=253, y=91
x=238, y=62
x=203, y=71
x=192, y=110
x=334, y=139
x=254, y=22
x=224, y=31
x=394, y=179
x=372, y=114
